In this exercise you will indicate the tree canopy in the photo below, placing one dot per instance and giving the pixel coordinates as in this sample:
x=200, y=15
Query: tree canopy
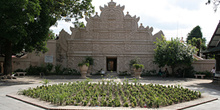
x=173, y=53
x=25, y=24
x=195, y=32
x=215, y=3
x=196, y=39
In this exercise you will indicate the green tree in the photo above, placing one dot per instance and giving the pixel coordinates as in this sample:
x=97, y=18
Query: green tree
x=198, y=43
x=173, y=53
x=195, y=32
x=215, y=3
x=196, y=39
x=25, y=24
x=51, y=35
x=14, y=16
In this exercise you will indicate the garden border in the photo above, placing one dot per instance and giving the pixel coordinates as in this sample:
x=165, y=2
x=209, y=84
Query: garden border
x=45, y=105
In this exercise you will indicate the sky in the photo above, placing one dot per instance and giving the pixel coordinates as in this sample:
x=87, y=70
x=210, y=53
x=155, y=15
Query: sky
x=176, y=18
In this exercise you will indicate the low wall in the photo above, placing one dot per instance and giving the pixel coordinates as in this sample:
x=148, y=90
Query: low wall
x=20, y=64
x=37, y=60
x=32, y=58
x=203, y=65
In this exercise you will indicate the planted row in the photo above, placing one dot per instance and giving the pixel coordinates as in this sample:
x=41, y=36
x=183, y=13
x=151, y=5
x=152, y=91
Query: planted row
x=112, y=94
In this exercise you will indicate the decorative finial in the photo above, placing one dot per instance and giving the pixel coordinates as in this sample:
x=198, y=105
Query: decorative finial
x=112, y=4
x=96, y=13
x=127, y=12
x=141, y=24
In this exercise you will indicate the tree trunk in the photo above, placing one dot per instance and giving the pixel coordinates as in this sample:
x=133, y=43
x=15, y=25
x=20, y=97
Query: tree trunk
x=8, y=58
x=173, y=73
x=198, y=46
x=198, y=53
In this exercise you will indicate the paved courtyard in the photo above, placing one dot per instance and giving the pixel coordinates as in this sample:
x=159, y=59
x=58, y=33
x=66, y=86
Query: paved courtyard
x=23, y=82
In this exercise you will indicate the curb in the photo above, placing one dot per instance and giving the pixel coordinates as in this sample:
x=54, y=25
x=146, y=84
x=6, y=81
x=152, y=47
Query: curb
x=52, y=108
x=43, y=106
x=198, y=104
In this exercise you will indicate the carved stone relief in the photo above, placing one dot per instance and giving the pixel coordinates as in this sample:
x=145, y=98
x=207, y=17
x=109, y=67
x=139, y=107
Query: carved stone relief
x=99, y=63
x=80, y=47
x=61, y=57
x=74, y=61
x=62, y=48
x=109, y=34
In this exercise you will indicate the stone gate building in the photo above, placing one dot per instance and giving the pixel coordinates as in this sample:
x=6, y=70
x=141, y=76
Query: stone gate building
x=111, y=38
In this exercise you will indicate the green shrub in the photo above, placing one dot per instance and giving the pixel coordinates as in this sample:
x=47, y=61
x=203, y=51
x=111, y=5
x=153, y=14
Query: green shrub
x=83, y=92
x=142, y=103
x=35, y=70
x=75, y=72
x=89, y=60
x=61, y=98
x=104, y=103
x=96, y=103
x=149, y=73
x=45, y=82
x=207, y=74
x=72, y=102
x=110, y=103
x=133, y=104
x=58, y=69
x=175, y=100
x=125, y=99
x=134, y=61
x=92, y=103
x=66, y=71
x=157, y=102
x=67, y=102
x=189, y=72
x=117, y=103
x=125, y=104
x=137, y=66
x=123, y=73
x=47, y=70
x=69, y=71
x=180, y=99
x=49, y=67
x=170, y=102
x=199, y=94
x=83, y=63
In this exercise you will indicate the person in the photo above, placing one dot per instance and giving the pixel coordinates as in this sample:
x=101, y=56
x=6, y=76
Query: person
x=213, y=72
x=166, y=72
x=160, y=72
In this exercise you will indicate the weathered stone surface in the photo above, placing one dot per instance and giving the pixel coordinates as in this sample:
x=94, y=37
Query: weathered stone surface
x=110, y=34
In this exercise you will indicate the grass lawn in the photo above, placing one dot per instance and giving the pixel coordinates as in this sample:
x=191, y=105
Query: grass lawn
x=112, y=94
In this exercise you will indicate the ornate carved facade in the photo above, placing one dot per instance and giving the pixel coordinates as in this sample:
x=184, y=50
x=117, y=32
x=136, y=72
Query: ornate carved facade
x=110, y=37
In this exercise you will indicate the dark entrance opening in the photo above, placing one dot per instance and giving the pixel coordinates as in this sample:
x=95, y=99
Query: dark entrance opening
x=217, y=68
x=111, y=63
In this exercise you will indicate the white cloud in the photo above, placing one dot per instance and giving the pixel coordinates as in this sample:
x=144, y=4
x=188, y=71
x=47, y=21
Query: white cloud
x=176, y=18
x=62, y=25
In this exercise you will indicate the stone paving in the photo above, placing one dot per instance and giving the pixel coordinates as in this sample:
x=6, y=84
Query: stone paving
x=23, y=82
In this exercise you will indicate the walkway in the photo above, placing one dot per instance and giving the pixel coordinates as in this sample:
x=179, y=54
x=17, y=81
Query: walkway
x=11, y=86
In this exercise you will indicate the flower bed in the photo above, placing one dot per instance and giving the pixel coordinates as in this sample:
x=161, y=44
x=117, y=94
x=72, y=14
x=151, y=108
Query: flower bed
x=112, y=94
